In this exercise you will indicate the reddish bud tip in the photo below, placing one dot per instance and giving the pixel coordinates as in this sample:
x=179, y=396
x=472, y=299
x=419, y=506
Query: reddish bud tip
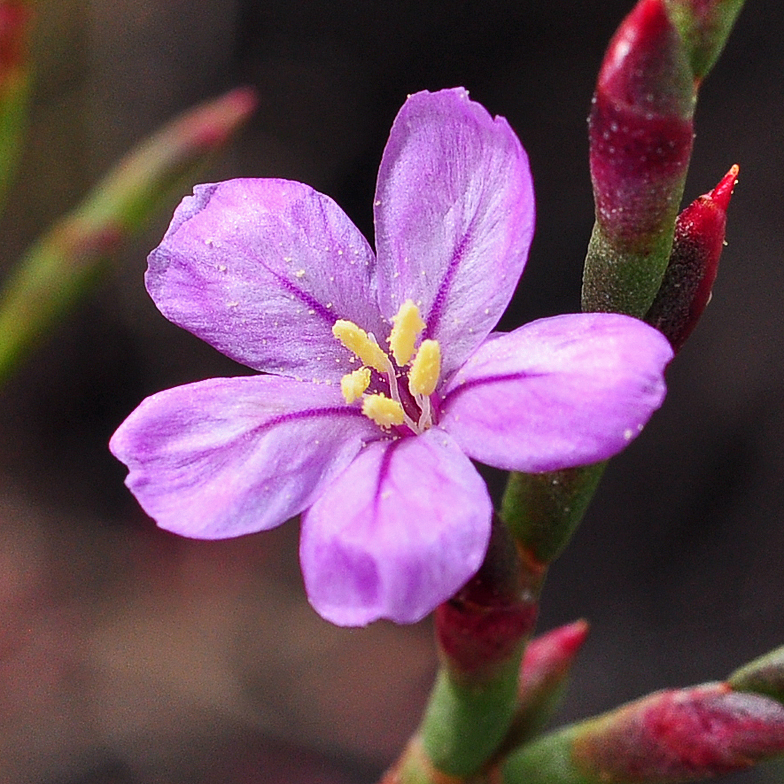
x=546, y=665
x=645, y=65
x=722, y=193
x=694, y=263
x=549, y=657
x=209, y=126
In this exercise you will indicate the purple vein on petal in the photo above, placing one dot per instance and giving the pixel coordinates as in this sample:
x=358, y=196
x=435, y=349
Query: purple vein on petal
x=308, y=413
x=383, y=471
x=440, y=300
x=464, y=386
x=327, y=314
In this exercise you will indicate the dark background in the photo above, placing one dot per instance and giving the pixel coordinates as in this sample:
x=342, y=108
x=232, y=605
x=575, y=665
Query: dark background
x=129, y=656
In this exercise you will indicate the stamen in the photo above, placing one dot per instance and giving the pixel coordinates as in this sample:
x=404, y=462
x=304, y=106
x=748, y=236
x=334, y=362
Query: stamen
x=426, y=415
x=359, y=342
x=384, y=411
x=406, y=329
x=352, y=385
x=425, y=369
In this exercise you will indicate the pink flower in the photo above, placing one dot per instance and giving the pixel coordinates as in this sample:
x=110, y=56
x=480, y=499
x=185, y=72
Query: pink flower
x=382, y=377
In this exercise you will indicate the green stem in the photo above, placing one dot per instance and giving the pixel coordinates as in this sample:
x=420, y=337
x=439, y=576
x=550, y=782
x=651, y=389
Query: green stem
x=543, y=510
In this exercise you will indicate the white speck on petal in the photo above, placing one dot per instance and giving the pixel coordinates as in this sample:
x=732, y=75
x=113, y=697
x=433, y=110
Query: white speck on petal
x=627, y=434
x=300, y=273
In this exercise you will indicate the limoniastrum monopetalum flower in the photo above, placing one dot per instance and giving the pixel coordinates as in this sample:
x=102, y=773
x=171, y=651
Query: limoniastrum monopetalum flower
x=381, y=377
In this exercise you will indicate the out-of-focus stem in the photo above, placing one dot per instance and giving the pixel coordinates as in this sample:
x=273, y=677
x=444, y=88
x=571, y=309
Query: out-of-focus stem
x=14, y=87
x=62, y=264
x=762, y=676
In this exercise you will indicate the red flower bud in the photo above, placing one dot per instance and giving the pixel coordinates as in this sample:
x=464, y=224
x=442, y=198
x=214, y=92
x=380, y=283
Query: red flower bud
x=549, y=657
x=640, y=132
x=546, y=666
x=680, y=735
x=694, y=262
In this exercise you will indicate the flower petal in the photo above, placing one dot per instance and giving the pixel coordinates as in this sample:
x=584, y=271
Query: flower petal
x=399, y=532
x=556, y=393
x=261, y=270
x=454, y=217
x=226, y=457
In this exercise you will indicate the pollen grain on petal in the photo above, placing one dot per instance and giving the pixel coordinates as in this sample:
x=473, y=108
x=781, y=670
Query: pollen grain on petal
x=354, y=384
x=359, y=342
x=407, y=326
x=384, y=411
x=425, y=369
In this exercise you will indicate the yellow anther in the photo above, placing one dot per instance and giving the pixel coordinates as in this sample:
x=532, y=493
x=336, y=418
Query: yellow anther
x=352, y=385
x=358, y=341
x=425, y=369
x=406, y=329
x=384, y=411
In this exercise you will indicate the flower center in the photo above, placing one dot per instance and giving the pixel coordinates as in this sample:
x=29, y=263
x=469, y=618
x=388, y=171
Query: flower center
x=423, y=369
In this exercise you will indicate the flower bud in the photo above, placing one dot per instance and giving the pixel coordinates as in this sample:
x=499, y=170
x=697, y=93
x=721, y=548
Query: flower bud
x=694, y=262
x=669, y=736
x=547, y=663
x=640, y=132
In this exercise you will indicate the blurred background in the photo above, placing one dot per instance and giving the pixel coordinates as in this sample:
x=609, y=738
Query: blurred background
x=129, y=656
